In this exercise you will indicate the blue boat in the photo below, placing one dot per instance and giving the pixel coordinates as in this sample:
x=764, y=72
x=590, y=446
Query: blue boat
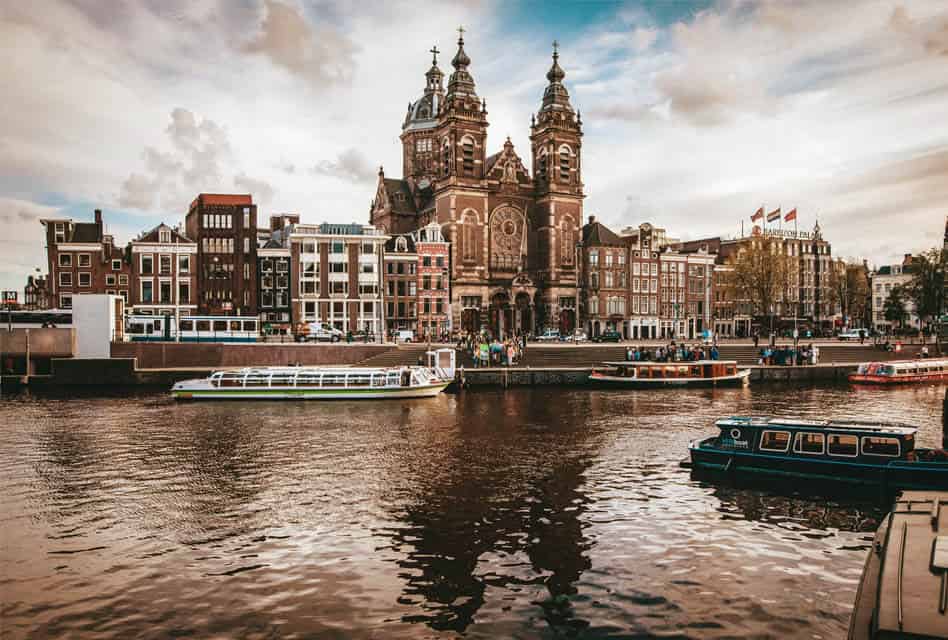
x=845, y=451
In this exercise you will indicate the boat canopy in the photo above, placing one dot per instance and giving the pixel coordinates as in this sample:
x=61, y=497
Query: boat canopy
x=646, y=363
x=865, y=426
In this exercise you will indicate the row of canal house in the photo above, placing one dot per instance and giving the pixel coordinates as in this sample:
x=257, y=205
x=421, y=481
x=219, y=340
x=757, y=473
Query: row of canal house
x=641, y=284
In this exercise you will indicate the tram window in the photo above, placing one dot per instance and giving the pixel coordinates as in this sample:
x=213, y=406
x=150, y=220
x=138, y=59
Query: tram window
x=204, y=325
x=876, y=446
x=156, y=325
x=220, y=325
x=250, y=326
x=811, y=443
x=775, y=441
x=843, y=445
x=187, y=325
x=235, y=325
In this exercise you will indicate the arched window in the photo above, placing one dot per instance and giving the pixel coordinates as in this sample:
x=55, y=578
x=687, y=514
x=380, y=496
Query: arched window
x=567, y=241
x=445, y=156
x=467, y=155
x=541, y=165
x=468, y=238
x=400, y=244
x=564, y=163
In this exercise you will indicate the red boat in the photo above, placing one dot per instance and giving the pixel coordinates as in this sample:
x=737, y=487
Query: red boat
x=901, y=371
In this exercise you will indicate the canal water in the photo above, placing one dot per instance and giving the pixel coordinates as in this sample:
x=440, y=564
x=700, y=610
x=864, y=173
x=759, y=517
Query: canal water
x=530, y=513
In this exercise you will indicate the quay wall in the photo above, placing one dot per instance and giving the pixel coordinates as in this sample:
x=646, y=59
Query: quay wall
x=220, y=355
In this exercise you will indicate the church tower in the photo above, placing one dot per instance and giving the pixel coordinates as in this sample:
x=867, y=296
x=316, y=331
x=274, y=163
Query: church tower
x=419, y=143
x=462, y=126
x=556, y=142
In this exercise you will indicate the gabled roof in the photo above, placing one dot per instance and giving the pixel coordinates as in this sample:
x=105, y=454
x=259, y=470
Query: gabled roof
x=399, y=195
x=409, y=244
x=85, y=232
x=152, y=236
x=596, y=233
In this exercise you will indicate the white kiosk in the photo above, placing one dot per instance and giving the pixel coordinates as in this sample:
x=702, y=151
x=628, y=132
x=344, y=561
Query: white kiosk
x=99, y=320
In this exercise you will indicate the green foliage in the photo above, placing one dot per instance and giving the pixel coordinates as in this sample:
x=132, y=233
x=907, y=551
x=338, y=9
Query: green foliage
x=927, y=288
x=894, y=306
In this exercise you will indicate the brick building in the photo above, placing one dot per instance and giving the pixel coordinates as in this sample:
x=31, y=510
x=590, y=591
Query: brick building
x=337, y=275
x=604, y=299
x=687, y=293
x=645, y=287
x=36, y=293
x=275, y=272
x=224, y=226
x=82, y=258
x=164, y=279
x=401, y=285
x=512, y=230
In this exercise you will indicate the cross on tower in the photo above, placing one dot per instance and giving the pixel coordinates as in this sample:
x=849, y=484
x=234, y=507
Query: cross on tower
x=556, y=46
x=461, y=34
x=434, y=54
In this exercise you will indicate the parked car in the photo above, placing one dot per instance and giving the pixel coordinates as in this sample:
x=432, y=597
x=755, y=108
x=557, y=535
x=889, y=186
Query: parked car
x=608, y=336
x=577, y=336
x=550, y=335
x=319, y=332
x=853, y=334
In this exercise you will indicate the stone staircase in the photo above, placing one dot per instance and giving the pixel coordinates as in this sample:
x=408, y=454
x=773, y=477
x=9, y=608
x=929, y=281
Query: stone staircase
x=403, y=354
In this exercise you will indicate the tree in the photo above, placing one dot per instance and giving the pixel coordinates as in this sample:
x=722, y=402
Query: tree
x=927, y=288
x=761, y=275
x=849, y=289
x=894, y=307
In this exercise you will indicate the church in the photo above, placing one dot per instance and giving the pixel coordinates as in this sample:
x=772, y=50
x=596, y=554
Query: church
x=513, y=229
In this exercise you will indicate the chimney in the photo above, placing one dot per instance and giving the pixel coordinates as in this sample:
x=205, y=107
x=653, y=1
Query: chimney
x=98, y=216
x=592, y=219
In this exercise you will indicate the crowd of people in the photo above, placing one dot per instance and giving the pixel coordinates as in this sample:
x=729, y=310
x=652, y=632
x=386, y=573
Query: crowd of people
x=486, y=351
x=788, y=356
x=672, y=353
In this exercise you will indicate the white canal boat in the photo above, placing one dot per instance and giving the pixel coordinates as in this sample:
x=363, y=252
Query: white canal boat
x=314, y=383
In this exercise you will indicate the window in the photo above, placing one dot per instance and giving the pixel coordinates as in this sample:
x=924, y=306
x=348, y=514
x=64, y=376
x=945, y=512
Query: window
x=65, y=278
x=446, y=157
x=65, y=301
x=809, y=443
x=61, y=237
x=164, y=236
x=467, y=155
x=246, y=217
x=184, y=264
x=246, y=245
x=542, y=165
x=339, y=288
x=110, y=280
x=164, y=292
x=338, y=267
x=843, y=445
x=184, y=293
x=147, y=291
x=877, y=446
x=123, y=279
x=337, y=247
x=594, y=257
x=65, y=259
x=164, y=265
x=564, y=164
x=368, y=248
x=426, y=261
x=116, y=265
x=775, y=441
x=368, y=267
x=85, y=260
x=147, y=265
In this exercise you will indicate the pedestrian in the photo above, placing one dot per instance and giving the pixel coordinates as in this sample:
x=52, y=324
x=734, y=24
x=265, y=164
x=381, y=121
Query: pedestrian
x=756, y=339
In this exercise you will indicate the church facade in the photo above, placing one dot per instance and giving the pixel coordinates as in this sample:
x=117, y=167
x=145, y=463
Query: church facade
x=513, y=228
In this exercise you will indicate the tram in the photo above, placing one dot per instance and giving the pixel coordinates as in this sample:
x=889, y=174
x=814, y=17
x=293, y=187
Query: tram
x=163, y=328
x=61, y=318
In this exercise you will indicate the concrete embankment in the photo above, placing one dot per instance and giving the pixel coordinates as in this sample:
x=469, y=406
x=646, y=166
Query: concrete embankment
x=579, y=376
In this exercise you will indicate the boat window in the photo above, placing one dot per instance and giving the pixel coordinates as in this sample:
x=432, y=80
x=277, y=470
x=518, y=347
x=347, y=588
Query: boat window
x=862, y=368
x=256, y=381
x=775, y=441
x=811, y=443
x=309, y=379
x=334, y=380
x=695, y=371
x=878, y=446
x=843, y=445
x=359, y=379
x=281, y=380
x=393, y=379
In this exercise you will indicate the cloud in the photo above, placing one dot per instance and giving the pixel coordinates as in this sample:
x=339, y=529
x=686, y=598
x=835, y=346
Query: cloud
x=351, y=164
x=321, y=55
x=170, y=178
x=262, y=190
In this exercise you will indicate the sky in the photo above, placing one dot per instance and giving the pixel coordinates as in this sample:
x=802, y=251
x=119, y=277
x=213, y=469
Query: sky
x=695, y=113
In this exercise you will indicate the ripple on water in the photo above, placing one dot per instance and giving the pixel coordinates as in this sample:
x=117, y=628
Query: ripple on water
x=544, y=512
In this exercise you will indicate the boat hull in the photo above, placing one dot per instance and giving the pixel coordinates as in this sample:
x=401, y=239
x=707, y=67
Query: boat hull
x=863, y=378
x=740, y=379
x=897, y=474
x=296, y=393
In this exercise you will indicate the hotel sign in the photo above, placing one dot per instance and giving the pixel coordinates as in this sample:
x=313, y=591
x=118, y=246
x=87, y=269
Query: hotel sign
x=785, y=234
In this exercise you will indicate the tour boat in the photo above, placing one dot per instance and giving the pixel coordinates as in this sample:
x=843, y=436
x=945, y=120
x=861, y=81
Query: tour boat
x=904, y=588
x=901, y=371
x=707, y=373
x=856, y=452
x=314, y=383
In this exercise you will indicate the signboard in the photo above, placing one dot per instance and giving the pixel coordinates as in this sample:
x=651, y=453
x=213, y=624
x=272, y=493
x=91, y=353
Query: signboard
x=10, y=297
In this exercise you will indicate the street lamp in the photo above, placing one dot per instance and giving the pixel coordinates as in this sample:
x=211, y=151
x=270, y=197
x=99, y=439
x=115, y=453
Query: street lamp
x=578, y=251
